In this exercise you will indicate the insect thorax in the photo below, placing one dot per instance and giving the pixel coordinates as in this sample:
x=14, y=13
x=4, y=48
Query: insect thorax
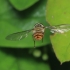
x=38, y=31
x=38, y=28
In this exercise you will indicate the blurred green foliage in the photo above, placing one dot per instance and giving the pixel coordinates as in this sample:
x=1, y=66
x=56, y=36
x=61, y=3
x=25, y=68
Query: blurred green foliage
x=13, y=21
x=19, y=59
x=23, y=4
x=58, y=12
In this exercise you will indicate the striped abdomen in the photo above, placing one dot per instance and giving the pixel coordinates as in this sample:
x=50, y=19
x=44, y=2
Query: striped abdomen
x=38, y=35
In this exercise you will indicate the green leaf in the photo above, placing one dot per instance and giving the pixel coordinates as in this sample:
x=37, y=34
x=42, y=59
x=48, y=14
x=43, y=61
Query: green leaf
x=20, y=62
x=12, y=21
x=58, y=12
x=22, y=4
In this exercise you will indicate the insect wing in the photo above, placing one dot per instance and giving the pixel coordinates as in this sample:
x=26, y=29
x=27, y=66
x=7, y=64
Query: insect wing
x=18, y=35
x=59, y=28
x=63, y=26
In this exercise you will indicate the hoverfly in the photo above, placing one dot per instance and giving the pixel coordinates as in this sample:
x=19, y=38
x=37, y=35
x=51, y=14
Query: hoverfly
x=38, y=32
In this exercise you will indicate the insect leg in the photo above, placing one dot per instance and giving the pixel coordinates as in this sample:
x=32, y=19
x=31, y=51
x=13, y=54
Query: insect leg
x=34, y=43
x=42, y=40
x=33, y=40
x=42, y=37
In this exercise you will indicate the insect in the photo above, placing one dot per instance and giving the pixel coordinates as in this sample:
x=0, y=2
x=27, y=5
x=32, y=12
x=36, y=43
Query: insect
x=38, y=32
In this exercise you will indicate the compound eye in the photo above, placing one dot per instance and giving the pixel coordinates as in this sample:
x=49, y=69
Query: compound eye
x=38, y=25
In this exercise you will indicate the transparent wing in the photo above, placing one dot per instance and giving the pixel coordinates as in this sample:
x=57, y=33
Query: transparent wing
x=59, y=28
x=18, y=35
